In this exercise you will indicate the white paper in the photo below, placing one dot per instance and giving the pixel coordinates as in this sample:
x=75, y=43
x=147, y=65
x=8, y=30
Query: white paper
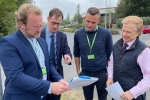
x=115, y=91
x=81, y=81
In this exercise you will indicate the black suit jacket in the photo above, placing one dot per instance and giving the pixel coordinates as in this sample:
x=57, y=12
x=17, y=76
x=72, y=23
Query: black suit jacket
x=61, y=49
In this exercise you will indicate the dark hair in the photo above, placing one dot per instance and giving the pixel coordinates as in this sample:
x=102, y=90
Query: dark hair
x=93, y=11
x=57, y=12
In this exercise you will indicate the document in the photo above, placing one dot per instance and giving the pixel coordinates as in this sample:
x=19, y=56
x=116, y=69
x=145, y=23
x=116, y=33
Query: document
x=115, y=90
x=81, y=81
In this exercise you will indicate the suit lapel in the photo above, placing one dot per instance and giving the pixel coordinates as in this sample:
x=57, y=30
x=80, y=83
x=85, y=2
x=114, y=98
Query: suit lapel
x=58, y=36
x=25, y=40
x=43, y=34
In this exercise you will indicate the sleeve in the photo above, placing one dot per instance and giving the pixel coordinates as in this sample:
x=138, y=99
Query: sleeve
x=144, y=62
x=109, y=44
x=110, y=66
x=76, y=49
x=66, y=49
x=14, y=70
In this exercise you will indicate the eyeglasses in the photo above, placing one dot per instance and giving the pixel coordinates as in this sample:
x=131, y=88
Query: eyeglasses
x=37, y=27
x=54, y=23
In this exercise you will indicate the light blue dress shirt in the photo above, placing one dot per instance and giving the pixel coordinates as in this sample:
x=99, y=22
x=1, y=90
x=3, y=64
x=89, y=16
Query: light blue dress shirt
x=48, y=40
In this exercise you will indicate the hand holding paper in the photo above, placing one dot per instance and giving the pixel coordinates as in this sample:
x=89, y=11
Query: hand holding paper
x=115, y=91
x=81, y=81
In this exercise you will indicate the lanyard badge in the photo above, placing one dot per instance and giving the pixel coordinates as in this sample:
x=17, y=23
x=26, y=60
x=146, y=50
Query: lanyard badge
x=91, y=56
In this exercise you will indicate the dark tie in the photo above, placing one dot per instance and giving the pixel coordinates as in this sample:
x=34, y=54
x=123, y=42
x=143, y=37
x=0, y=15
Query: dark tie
x=124, y=47
x=52, y=50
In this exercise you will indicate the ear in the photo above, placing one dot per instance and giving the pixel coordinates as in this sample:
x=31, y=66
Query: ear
x=48, y=18
x=139, y=33
x=98, y=20
x=21, y=25
x=83, y=20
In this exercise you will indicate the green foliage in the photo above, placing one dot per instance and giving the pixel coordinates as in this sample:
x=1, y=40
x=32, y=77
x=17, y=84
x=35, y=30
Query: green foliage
x=102, y=24
x=146, y=21
x=7, y=17
x=121, y=9
x=68, y=19
x=133, y=7
x=71, y=30
x=114, y=31
x=119, y=23
x=107, y=25
x=77, y=17
x=81, y=25
x=7, y=23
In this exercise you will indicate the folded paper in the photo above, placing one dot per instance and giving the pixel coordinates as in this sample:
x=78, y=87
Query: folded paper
x=81, y=81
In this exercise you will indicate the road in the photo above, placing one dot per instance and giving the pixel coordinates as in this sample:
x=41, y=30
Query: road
x=70, y=71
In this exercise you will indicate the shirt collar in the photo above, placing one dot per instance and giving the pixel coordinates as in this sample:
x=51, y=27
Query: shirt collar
x=96, y=28
x=130, y=43
x=48, y=33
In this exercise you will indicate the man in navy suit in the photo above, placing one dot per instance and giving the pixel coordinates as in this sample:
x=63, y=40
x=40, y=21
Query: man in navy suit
x=25, y=60
x=60, y=44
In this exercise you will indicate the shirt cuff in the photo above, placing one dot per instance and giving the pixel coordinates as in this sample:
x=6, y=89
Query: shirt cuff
x=50, y=89
x=133, y=91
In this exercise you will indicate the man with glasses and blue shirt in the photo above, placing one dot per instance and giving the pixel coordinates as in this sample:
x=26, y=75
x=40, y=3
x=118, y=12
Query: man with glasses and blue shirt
x=24, y=58
x=57, y=43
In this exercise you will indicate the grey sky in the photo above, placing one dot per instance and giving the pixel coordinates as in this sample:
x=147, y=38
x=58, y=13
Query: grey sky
x=70, y=6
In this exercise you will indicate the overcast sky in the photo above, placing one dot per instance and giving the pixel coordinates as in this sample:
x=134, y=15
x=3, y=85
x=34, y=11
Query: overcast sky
x=70, y=6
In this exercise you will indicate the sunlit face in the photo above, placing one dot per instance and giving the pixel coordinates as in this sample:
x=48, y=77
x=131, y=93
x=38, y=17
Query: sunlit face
x=91, y=21
x=33, y=27
x=129, y=32
x=54, y=23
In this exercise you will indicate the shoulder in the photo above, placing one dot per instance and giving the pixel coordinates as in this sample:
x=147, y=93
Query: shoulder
x=80, y=30
x=61, y=33
x=104, y=30
x=10, y=38
x=42, y=40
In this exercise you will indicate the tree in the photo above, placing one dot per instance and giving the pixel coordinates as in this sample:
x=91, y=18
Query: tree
x=133, y=7
x=20, y=2
x=7, y=17
x=68, y=20
x=77, y=17
x=121, y=9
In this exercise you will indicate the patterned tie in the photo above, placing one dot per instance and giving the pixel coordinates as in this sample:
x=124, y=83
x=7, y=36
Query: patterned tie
x=124, y=47
x=52, y=50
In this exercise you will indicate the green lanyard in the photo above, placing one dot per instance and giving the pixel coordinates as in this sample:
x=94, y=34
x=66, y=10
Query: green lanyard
x=39, y=56
x=91, y=46
x=40, y=52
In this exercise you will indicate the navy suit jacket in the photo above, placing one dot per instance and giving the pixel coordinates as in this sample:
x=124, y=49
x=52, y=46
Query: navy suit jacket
x=62, y=48
x=22, y=70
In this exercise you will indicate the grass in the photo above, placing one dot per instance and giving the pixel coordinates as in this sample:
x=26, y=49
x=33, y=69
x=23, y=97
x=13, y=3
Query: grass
x=73, y=94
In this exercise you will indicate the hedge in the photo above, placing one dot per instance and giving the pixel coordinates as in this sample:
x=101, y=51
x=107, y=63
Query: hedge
x=146, y=21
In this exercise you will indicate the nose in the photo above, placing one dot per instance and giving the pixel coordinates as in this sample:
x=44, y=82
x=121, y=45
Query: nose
x=39, y=29
x=123, y=33
x=90, y=24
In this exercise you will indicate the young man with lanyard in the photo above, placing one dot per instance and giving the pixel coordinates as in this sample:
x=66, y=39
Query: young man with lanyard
x=93, y=44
